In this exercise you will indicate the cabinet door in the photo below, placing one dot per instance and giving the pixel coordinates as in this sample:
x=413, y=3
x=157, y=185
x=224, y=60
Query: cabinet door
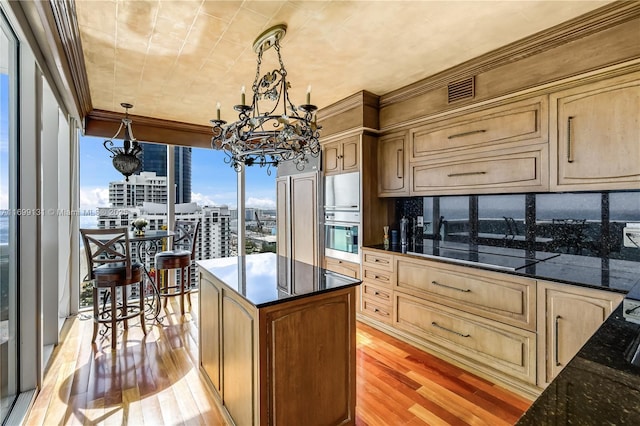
x=304, y=219
x=392, y=166
x=331, y=158
x=282, y=219
x=569, y=317
x=597, y=132
x=350, y=154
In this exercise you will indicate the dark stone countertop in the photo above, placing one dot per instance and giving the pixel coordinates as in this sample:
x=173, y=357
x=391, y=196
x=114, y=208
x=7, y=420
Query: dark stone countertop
x=584, y=271
x=263, y=279
x=599, y=386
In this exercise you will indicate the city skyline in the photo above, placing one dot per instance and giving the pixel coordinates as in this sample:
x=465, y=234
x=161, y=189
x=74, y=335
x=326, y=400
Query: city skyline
x=213, y=181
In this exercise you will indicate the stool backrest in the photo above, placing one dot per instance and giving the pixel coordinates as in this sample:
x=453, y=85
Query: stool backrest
x=104, y=246
x=186, y=236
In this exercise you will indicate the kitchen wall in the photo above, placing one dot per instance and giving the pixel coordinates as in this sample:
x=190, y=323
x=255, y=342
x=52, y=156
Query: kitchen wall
x=585, y=223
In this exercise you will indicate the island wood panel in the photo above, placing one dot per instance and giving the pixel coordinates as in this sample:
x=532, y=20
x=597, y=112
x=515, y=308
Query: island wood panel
x=506, y=298
x=239, y=356
x=508, y=350
x=394, y=380
x=310, y=372
x=210, y=301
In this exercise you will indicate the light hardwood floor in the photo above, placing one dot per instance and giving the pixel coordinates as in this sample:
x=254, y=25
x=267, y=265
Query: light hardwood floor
x=155, y=380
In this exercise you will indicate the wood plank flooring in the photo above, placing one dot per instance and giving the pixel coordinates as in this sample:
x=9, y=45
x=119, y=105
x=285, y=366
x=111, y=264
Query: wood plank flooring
x=155, y=381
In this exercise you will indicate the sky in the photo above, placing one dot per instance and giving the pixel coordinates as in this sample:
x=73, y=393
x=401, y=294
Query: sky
x=213, y=182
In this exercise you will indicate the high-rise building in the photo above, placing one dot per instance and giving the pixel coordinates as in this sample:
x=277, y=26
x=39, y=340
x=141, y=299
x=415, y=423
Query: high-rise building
x=145, y=187
x=154, y=159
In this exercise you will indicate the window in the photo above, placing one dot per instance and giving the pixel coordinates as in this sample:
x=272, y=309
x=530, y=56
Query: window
x=8, y=219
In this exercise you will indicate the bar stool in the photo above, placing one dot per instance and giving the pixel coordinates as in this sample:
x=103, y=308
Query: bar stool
x=180, y=257
x=110, y=268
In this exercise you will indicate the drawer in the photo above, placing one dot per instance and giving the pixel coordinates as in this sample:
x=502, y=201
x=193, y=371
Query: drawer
x=377, y=260
x=520, y=169
x=343, y=267
x=378, y=311
x=492, y=295
x=377, y=277
x=507, y=350
x=493, y=128
x=377, y=294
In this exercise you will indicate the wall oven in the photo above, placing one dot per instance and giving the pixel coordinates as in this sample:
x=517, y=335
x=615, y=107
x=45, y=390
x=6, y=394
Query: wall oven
x=341, y=235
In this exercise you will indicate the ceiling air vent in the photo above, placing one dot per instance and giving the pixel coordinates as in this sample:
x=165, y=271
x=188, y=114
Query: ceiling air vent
x=461, y=90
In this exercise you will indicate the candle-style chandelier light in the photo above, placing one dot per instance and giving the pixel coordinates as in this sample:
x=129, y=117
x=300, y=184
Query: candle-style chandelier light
x=281, y=131
x=126, y=159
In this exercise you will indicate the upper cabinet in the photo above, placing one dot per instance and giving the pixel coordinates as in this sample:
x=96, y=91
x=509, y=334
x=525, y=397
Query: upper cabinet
x=497, y=149
x=342, y=156
x=595, y=136
x=512, y=124
x=393, y=165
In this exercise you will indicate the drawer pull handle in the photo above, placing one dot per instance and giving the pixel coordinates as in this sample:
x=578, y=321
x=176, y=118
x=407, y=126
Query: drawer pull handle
x=463, y=290
x=569, y=138
x=376, y=293
x=436, y=325
x=466, y=174
x=378, y=311
x=381, y=261
x=459, y=135
x=557, y=338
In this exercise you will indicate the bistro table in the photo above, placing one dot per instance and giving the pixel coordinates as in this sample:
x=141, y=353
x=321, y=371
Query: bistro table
x=147, y=244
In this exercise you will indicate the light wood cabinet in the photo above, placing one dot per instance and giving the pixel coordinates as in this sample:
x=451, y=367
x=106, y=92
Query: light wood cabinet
x=595, y=136
x=258, y=360
x=297, y=219
x=343, y=267
x=377, y=260
x=505, y=350
x=568, y=317
x=393, y=165
x=376, y=288
x=349, y=269
x=509, y=125
x=341, y=156
x=492, y=295
x=516, y=169
x=498, y=149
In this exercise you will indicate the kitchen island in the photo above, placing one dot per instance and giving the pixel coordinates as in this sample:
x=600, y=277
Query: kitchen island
x=277, y=349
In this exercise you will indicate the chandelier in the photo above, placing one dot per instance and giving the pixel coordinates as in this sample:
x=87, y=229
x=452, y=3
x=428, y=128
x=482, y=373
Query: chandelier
x=126, y=159
x=278, y=132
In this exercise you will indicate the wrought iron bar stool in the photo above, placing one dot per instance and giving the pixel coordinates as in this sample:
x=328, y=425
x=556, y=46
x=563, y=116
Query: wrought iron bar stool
x=111, y=269
x=180, y=257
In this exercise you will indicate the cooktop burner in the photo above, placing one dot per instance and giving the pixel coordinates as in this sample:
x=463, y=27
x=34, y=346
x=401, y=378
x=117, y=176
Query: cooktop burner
x=489, y=256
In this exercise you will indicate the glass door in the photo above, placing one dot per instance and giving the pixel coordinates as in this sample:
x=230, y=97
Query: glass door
x=8, y=219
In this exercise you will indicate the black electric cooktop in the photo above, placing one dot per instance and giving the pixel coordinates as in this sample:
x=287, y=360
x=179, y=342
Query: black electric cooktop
x=494, y=257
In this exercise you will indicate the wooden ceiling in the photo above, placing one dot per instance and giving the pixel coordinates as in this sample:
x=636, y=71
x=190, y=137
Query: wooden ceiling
x=175, y=59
